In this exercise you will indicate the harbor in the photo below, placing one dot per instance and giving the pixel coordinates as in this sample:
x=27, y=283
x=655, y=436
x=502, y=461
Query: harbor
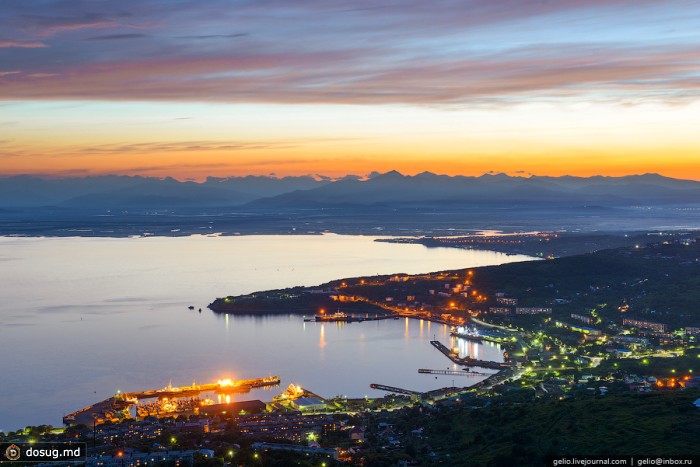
x=169, y=400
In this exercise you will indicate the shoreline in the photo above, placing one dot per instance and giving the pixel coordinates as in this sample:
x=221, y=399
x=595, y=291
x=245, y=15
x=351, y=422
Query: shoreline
x=546, y=244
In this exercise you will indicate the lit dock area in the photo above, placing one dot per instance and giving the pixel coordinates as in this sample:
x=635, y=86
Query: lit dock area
x=221, y=386
x=118, y=407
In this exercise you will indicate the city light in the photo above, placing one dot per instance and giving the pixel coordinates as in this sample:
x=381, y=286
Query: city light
x=224, y=383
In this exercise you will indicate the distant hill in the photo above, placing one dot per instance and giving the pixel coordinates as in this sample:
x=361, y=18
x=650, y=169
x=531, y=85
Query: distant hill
x=391, y=189
x=395, y=189
x=113, y=191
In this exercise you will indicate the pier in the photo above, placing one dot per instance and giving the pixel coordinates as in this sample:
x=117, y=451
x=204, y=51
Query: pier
x=382, y=387
x=349, y=319
x=452, y=372
x=225, y=386
x=118, y=406
x=468, y=361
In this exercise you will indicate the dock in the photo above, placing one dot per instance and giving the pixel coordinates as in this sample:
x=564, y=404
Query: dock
x=383, y=387
x=350, y=319
x=452, y=372
x=468, y=361
x=117, y=407
x=222, y=386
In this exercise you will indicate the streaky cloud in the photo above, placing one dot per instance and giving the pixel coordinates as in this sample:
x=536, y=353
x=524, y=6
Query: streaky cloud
x=113, y=37
x=22, y=45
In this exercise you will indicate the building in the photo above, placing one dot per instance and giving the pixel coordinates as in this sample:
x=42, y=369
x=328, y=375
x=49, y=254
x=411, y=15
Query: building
x=139, y=459
x=308, y=404
x=692, y=331
x=398, y=278
x=586, y=330
x=532, y=311
x=292, y=426
x=693, y=382
x=624, y=353
x=635, y=323
x=507, y=301
x=583, y=318
x=499, y=310
x=234, y=408
x=357, y=433
x=331, y=453
x=345, y=298
x=631, y=341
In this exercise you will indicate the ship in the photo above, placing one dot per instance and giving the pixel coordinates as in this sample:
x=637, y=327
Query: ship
x=337, y=316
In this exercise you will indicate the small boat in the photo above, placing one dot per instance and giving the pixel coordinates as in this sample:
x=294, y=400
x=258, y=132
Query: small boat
x=191, y=307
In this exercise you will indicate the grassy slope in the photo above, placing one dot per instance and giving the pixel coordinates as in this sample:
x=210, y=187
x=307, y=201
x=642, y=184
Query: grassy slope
x=644, y=424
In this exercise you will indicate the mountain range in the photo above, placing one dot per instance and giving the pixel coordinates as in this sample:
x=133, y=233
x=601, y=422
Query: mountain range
x=391, y=189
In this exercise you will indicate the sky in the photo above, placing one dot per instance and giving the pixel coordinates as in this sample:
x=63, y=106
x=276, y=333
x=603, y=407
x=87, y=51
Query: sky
x=191, y=89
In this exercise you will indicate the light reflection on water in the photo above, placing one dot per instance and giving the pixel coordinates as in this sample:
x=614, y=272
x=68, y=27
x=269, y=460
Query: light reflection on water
x=84, y=317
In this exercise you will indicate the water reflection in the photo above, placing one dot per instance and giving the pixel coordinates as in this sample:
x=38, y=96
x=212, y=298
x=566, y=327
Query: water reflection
x=486, y=350
x=322, y=335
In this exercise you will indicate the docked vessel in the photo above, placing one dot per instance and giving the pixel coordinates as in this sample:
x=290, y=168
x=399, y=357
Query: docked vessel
x=337, y=316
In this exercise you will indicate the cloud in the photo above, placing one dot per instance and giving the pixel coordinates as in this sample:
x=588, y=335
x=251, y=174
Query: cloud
x=21, y=45
x=446, y=52
x=42, y=75
x=168, y=167
x=48, y=25
x=216, y=36
x=342, y=77
x=113, y=37
x=180, y=146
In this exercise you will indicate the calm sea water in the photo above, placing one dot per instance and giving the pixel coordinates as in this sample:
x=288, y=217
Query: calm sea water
x=81, y=318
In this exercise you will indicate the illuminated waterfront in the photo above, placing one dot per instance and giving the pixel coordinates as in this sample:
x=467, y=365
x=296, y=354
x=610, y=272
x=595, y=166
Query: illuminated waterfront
x=83, y=318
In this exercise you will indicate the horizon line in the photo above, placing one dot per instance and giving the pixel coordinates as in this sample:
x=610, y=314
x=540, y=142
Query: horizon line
x=321, y=177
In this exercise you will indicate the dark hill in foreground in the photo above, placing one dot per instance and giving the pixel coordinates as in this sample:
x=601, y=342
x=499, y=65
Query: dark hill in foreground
x=654, y=424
